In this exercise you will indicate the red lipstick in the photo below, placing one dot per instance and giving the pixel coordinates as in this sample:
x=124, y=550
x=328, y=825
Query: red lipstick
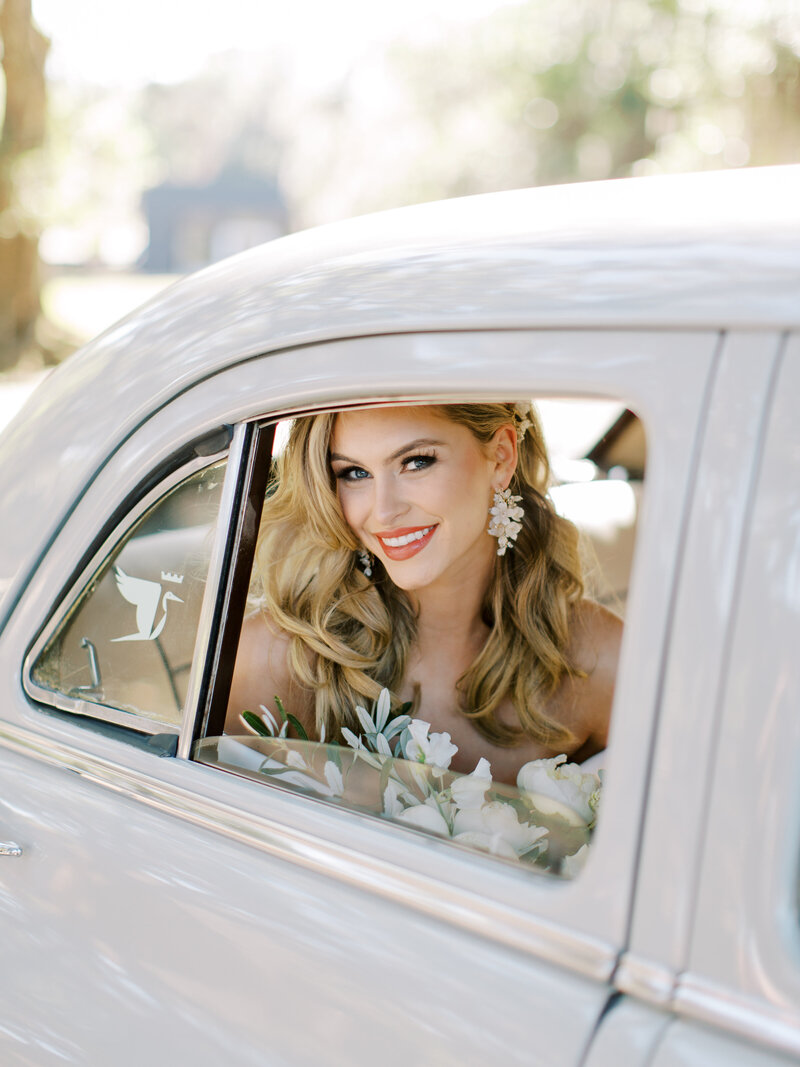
x=412, y=540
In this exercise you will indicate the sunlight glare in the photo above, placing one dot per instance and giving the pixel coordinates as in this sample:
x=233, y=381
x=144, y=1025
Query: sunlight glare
x=170, y=42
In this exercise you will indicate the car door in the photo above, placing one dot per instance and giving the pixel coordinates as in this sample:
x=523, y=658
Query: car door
x=167, y=910
x=740, y=986
x=711, y=972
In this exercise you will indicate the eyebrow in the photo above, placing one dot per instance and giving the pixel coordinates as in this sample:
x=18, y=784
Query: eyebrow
x=420, y=442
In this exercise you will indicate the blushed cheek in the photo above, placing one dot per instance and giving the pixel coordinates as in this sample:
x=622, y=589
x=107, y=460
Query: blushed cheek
x=350, y=512
x=474, y=496
x=342, y=506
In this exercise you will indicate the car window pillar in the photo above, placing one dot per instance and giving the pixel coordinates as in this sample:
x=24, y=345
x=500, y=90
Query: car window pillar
x=227, y=585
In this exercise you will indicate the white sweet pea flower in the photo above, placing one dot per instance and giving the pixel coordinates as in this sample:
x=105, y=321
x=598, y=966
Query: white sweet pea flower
x=555, y=787
x=495, y=828
x=436, y=750
x=469, y=790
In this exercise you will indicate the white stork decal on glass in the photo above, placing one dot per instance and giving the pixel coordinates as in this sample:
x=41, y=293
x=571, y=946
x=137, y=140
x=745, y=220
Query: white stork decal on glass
x=145, y=596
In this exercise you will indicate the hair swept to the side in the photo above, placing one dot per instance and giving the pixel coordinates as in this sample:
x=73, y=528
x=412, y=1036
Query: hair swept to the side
x=350, y=636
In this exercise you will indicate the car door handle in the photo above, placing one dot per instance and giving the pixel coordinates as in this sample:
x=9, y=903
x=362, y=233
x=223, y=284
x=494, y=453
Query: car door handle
x=8, y=848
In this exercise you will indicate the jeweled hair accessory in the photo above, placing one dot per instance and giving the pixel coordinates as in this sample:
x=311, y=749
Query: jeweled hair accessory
x=505, y=524
x=521, y=418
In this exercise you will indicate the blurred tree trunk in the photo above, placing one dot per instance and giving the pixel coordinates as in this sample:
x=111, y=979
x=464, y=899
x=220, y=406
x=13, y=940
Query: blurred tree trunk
x=24, y=53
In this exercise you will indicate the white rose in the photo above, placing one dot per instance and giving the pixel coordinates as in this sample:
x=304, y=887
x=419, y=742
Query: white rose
x=555, y=787
x=491, y=843
x=571, y=866
x=425, y=817
x=496, y=828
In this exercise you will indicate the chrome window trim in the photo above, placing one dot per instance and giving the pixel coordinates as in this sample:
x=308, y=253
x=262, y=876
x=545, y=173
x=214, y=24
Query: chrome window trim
x=691, y=997
x=444, y=901
x=240, y=459
x=95, y=709
x=732, y=1013
x=645, y=980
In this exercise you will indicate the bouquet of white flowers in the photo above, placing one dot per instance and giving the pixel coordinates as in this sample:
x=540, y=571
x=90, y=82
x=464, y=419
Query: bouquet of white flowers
x=396, y=768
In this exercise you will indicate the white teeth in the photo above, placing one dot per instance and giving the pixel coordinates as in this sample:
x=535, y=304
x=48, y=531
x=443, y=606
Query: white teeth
x=406, y=539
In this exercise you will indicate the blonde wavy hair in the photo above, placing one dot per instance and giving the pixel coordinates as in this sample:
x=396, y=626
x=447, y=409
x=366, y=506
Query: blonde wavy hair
x=350, y=636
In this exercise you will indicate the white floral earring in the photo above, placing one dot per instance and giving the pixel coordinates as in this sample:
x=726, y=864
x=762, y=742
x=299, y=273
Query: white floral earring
x=365, y=561
x=505, y=524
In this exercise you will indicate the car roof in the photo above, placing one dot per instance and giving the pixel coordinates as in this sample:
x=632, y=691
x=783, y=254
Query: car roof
x=711, y=250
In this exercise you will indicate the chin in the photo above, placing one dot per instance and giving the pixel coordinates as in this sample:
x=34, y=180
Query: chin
x=409, y=578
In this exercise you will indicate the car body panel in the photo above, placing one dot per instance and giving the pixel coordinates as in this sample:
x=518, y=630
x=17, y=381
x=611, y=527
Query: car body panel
x=627, y=1035
x=578, y=926
x=690, y=1044
x=163, y=909
x=744, y=961
x=197, y=948
x=674, y=252
x=551, y=362
x=674, y=836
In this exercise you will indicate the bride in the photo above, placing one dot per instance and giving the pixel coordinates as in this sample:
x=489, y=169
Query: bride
x=414, y=548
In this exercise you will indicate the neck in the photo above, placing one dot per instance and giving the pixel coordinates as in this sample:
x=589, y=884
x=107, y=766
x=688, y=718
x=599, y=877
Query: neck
x=449, y=612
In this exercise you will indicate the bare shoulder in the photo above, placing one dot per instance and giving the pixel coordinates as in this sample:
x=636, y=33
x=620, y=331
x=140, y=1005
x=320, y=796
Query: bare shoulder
x=595, y=638
x=261, y=670
x=596, y=635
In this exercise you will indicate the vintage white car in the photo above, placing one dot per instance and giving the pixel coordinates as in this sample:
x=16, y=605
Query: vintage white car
x=165, y=899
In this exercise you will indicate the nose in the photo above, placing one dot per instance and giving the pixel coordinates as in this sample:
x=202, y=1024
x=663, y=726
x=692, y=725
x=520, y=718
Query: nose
x=388, y=503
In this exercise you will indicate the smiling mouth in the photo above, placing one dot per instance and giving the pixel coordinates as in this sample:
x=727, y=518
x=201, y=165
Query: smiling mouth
x=406, y=543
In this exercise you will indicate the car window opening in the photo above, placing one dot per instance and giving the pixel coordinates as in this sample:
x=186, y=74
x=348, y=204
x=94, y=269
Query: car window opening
x=371, y=671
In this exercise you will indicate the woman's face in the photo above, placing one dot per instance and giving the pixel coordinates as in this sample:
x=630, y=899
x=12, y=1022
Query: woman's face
x=416, y=488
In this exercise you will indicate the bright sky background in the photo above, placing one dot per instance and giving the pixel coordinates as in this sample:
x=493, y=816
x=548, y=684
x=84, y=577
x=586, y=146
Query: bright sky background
x=168, y=40
x=111, y=43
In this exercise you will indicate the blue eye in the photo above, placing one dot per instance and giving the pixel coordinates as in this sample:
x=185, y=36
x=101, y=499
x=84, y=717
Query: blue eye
x=419, y=463
x=352, y=474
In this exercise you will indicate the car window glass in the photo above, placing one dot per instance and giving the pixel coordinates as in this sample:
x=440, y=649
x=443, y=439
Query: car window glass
x=127, y=641
x=393, y=760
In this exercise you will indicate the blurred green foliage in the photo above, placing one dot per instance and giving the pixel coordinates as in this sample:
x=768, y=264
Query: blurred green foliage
x=546, y=92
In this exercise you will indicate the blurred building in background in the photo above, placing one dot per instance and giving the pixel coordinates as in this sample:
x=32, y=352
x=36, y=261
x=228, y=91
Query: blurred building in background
x=190, y=226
